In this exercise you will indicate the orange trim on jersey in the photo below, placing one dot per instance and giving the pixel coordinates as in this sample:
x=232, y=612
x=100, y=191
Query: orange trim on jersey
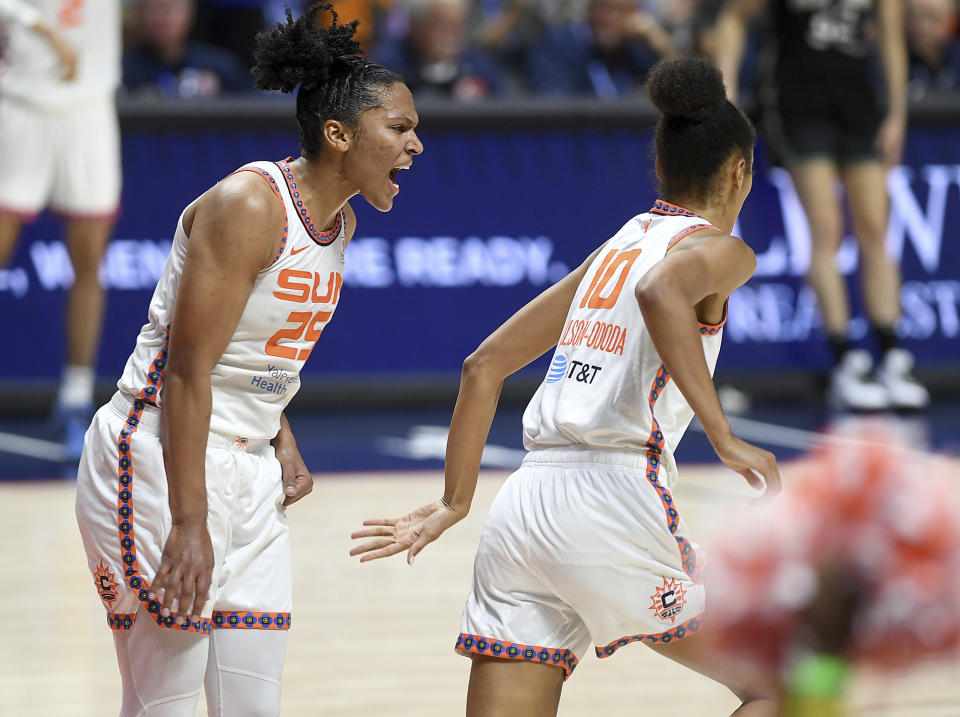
x=276, y=190
x=121, y=621
x=655, y=445
x=711, y=329
x=689, y=627
x=492, y=647
x=670, y=210
x=685, y=232
x=125, y=507
x=323, y=237
x=247, y=620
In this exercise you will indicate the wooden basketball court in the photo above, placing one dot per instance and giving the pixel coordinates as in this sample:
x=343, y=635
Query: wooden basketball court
x=367, y=639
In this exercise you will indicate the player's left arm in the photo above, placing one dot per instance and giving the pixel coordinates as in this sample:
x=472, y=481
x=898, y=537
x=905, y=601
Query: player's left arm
x=297, y=480
x=893, y=50
x=525, y=336
x=712, y=265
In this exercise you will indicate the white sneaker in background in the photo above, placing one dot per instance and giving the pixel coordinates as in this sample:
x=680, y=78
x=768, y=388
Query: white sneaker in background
x=733, y=401
x=853, y=386
x=895, y=373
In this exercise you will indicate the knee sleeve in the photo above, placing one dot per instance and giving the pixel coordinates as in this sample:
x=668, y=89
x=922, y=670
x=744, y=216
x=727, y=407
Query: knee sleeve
x=243, y=672
x=161, y=669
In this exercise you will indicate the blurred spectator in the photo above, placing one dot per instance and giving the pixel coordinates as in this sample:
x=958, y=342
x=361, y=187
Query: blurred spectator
x=163, y=61
x=435, y=58
x=507, y=28
x=606, y=57
x=678, y=18
x=933, y=46
x=510, y=24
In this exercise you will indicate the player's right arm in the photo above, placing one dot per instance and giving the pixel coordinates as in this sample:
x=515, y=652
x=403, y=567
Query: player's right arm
x=22, y=13
x=710, y=266
x=730, y=38
x=525, y=336
x=234, y=230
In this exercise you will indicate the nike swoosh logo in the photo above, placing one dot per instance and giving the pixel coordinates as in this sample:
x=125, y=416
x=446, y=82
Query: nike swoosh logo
x=297, y=251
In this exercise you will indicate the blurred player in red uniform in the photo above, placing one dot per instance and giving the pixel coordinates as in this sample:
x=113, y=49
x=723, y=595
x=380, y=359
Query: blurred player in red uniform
x=855, y=564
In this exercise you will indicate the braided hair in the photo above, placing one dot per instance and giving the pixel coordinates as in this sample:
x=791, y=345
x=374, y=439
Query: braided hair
x=699, y=127
x=335, y=79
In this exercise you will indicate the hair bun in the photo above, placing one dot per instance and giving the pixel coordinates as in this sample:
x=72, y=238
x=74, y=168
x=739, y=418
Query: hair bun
x=690, y=88
x=303, y=51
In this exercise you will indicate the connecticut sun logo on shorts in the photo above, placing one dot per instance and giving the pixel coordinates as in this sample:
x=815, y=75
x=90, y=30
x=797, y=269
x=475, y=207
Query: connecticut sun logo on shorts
x=106, y=584
x=668, y=600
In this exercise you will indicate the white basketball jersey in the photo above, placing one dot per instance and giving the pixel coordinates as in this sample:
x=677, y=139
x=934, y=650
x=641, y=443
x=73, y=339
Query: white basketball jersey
x=291, y=302
x=28, y=69
x=607, y=386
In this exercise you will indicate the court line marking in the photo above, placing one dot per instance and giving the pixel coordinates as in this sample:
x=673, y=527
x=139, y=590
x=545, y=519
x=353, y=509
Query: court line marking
x=841, y=432
x=774, y=434
x=425, y=442
x=32, y=447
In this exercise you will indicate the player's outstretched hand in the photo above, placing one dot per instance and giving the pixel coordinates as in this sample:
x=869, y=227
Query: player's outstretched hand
x=185, y=568
x=758, y=466
x=411, y=532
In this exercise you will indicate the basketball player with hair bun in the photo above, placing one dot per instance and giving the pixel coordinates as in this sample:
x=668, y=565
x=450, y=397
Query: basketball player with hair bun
x=187, y=471
x=584, y=543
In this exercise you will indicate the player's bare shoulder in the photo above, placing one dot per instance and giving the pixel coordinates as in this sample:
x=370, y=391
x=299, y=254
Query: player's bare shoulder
x=246, y=195
x=716, y=242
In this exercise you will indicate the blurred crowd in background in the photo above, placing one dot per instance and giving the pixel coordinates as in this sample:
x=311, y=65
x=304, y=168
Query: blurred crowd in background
x=468, y=50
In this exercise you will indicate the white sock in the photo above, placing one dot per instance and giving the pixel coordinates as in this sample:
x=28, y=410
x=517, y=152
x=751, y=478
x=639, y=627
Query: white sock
x=76, y=387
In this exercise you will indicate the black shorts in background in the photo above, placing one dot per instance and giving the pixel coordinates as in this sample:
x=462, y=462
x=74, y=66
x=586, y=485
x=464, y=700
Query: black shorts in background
x=841, y=125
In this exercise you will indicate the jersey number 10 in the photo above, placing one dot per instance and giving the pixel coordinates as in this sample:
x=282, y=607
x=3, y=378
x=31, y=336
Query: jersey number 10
x=613, y=262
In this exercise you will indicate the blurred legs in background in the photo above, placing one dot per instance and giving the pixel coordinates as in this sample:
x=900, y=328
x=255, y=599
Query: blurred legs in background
x=854, y=385
x=865, y=184
x=86, y=242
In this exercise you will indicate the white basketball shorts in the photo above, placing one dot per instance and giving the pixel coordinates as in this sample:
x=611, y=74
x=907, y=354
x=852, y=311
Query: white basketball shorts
x=124, y=518
x=582, y=547
x=66, y=160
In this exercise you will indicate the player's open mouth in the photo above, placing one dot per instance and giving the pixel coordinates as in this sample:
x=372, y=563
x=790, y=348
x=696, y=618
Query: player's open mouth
x=393, y=175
